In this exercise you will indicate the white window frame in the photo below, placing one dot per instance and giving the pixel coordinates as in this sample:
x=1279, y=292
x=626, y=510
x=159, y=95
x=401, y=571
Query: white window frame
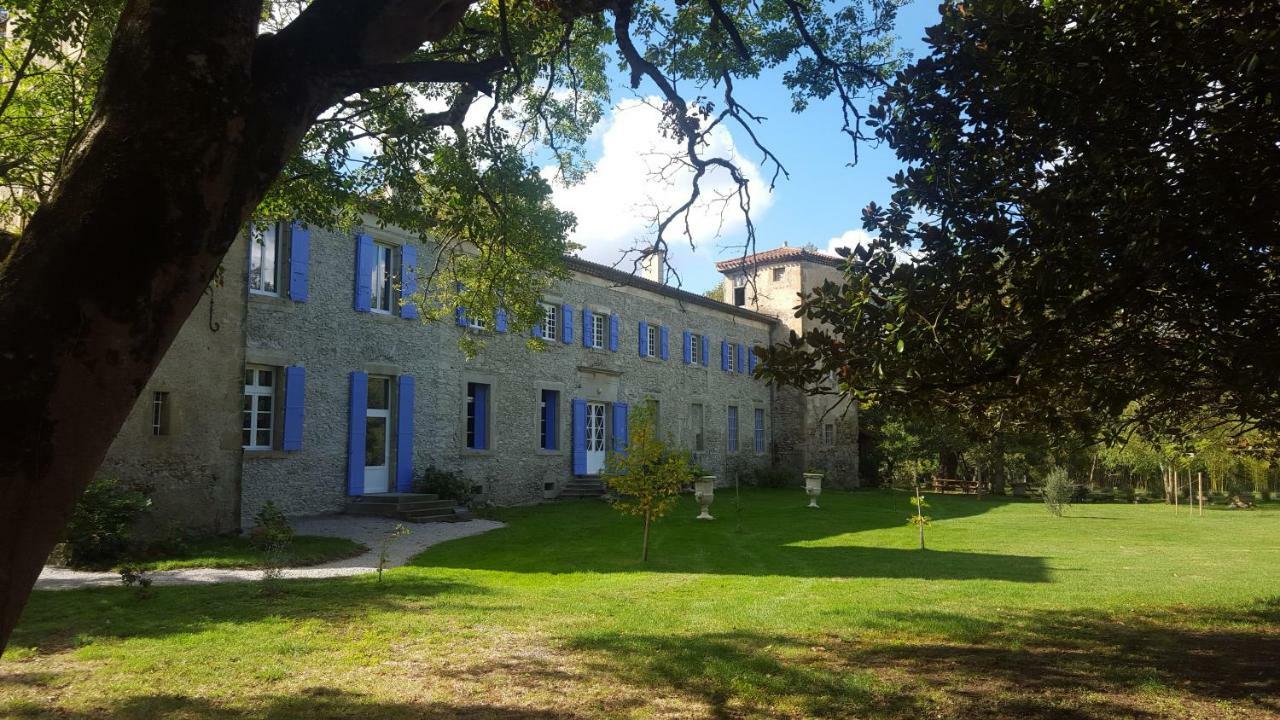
x=695, y=349
x=599, y=330
x=476, y=323
x=259, y=240
x=828, y=435
x=758, y=420
x=653, y=337
x=733, y=357
x=256, y=390
x=383, y=278
x=550, y=321
x=160, y=407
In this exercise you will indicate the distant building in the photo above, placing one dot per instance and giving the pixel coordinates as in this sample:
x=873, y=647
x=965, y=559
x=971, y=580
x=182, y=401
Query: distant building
x=302, y=381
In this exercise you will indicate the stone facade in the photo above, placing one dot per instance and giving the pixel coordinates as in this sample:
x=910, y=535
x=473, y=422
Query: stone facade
x=210, y=483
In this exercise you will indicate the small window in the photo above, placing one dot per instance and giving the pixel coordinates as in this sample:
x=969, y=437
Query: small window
x=477, y=416
x=652, y=338
x=829, y=434
x=733, y=357
x=475, y=323
x=759, y=430
x=695, y=349
x=264, y=260
x=548, y=413
x=695, y=425
x=778, y=273
x=550, y=320
x=733, y=428
x=740, y=296
x=382, y=285
x=599, y=330
x=160, y=414
x=259, y=408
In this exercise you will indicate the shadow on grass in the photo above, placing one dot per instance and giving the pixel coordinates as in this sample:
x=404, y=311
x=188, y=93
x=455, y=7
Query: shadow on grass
x=318, y=702
x=1039, y=665
x=60, y=620
x=771, y=533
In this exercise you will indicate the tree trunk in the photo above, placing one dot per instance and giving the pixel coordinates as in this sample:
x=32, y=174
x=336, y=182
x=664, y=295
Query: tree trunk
x=948, y=464
x=194, y=118
x=644, y=548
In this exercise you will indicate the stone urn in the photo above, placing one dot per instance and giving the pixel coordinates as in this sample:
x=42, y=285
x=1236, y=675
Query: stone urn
x=1019, y=489
x=704, y=491
x=813, y=487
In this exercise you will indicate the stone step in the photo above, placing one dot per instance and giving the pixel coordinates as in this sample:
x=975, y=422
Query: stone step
x=434, y=515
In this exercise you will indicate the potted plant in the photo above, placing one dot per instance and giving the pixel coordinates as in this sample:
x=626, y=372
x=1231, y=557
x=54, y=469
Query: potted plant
x=813, y=486
x=704, y=490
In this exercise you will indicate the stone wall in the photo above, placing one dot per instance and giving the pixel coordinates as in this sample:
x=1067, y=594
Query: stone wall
x=193, y=470
x=330, y=339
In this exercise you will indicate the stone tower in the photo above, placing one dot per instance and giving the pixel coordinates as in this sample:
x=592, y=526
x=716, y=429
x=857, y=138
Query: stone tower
x=809, y=431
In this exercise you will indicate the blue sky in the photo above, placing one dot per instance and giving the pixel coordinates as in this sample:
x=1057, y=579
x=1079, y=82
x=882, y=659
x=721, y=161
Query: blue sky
x=822, y=200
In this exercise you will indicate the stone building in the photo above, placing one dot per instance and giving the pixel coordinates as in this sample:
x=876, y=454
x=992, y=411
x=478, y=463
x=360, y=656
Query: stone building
x=307, y=383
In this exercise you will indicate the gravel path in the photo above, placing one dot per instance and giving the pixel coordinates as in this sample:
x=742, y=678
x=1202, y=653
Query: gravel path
x=367, y=530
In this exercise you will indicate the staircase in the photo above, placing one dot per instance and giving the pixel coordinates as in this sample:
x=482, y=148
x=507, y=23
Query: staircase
x=410, y=507
x=582, y=488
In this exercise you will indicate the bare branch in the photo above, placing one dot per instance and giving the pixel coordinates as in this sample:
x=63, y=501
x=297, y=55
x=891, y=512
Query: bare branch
x=476, y=74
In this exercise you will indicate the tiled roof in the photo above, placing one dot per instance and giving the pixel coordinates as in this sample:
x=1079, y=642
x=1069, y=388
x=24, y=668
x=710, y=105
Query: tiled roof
x=626, y=278
x=782, y=254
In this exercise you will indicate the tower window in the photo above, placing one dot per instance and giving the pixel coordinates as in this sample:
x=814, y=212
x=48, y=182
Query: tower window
x=740, y=296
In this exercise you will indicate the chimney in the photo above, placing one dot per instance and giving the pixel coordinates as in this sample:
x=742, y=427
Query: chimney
x=654, y=266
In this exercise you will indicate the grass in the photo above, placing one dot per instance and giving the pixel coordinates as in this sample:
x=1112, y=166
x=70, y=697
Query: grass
x=772, y=610
x=239, y=553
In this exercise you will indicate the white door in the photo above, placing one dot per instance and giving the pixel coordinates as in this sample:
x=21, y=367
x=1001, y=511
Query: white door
x=595, y=438
x=377, y=439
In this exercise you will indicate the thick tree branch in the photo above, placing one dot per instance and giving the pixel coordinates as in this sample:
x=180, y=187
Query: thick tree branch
x=476, y=74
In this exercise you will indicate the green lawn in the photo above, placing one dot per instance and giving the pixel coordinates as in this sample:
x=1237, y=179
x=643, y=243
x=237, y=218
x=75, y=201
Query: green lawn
x=239, y=552
x=776, y=611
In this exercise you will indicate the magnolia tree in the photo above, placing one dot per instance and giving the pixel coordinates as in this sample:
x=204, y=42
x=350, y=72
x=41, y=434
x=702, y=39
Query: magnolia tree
x=648, y=475
x=137, y=138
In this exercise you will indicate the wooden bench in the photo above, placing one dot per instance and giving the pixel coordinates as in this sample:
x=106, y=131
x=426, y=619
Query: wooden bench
x=955, y=485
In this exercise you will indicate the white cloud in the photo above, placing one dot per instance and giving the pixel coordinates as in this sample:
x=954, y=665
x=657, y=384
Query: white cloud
x=853, y=238
x=632, y=182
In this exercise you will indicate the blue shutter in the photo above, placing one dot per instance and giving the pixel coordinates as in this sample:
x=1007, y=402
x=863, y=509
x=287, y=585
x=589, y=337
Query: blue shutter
x=355, y=433
x=294, y=396
x=724, y=355
x=613, y=333
x=460, y=316
x=566, y=324
x=364, y=272
x=299, y=259
x=408, y=281
x=742, y=358
x=644, y=339
x=482, y=416
x=500, y=320
x=404, y=434
x=662, y=342
x=688, y=347
x=551, y=416
x=579, y=431
x=706, y=351
x=751, y=360
x=621, y=437
x=588, y=328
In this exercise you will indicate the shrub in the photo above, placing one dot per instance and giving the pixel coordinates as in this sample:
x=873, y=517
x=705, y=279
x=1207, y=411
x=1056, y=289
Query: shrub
x=1058, y=491
x=271, y=529
x=447, y=485
x=98, y=531
x=774, y=476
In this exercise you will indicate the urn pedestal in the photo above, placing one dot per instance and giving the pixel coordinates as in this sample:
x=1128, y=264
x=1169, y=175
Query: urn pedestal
x=813, y=487
x=704, y=490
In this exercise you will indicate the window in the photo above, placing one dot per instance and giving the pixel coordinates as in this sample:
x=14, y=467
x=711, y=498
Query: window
x=550, y=318
x=475, y=323
x=695, y=349
x=828, y=434
x=733, y=428
x=382, y=284
x=652, y=338
x=259, y=408
x=599, y=330
x=264, y=260
x=548, y=423
x=377, y=418
x=778, y=273
x=740, y=296
x=160, y=414
x=477, y=416
x=733, y=356
x=759, y=435
x=695, y=427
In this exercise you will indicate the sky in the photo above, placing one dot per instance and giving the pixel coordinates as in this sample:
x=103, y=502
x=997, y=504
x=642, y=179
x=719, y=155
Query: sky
x=820, y=204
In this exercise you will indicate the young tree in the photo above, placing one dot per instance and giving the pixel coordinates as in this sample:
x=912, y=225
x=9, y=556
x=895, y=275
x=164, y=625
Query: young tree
x=648, y=475
x=209, y=111
x=1089, y=204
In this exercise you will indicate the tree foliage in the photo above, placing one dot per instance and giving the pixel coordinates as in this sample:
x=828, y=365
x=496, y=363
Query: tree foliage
x=648, y=475
x=1090, y=200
